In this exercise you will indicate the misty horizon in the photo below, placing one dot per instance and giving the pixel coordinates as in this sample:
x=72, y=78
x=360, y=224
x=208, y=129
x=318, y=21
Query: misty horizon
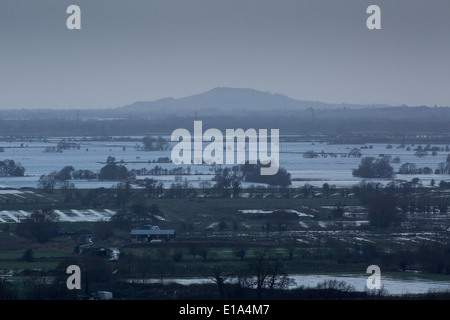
x=313, y=51
x=168, y=99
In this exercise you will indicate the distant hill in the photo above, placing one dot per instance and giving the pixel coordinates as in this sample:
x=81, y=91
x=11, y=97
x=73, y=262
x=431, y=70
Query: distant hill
x=226, y=101
x=215, y=102
x=228, y=108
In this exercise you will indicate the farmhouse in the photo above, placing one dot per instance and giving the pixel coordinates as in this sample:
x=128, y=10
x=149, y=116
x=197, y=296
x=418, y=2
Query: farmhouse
x=151, y=234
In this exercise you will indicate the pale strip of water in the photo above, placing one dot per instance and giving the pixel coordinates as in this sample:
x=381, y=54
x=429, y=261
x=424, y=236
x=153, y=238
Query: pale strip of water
x=393, y=286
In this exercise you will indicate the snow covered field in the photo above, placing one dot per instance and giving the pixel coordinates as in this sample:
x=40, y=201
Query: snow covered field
x=300, y=214
x=64, y=215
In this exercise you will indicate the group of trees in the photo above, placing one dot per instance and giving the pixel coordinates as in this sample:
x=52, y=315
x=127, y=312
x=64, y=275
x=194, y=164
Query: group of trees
x=61, y=179
x=181, y=189
x=411, y=168
x=251, y=173
x=137, y=213
x=10, y=168
x=228, y=181
x=114, y=171
x=444, y=167
x=62, y=145
x=423, y=151
x=232, y=177
x=353, y=153
x=40, y=225
x=56, y=179
x=371, y=167
x=382, y=211
x=158, y=171
x=388, y=205
x=264, y=273
x=150, y=143
x=65, y=145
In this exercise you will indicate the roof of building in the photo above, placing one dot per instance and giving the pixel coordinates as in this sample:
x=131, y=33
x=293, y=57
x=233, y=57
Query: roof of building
x=152, y=232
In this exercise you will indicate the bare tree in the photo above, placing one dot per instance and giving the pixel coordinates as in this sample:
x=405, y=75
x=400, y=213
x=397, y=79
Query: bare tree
x=290, y=248
x=267, y=273
x=219, y=276
x=334, y=289
x=163, y=263
x=240, y=253
x=40, y=225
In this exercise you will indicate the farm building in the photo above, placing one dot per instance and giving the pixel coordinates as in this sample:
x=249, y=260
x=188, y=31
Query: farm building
x=149, y=234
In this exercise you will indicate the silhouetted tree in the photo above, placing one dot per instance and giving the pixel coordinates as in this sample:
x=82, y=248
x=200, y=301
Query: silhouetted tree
x=28, y=255
x=113, y=172
x=240, y=253
x=382, y=211
x=123, y=193
x=374, y=168
x=219, y=276
x=48, y=182
x=40, y=225
x=8, y=290
x=9, y=168
x=236, y=189
x=65, y=173
x=268, y=273
x=154, y=144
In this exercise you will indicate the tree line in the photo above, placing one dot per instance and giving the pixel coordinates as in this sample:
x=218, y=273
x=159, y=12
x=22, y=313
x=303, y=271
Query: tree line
x=371, y=167
x=10, y=168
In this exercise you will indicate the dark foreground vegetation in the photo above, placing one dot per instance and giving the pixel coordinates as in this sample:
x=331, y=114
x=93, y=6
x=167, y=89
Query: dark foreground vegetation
x=336, y=121
x=35, y=289
x=244, y=255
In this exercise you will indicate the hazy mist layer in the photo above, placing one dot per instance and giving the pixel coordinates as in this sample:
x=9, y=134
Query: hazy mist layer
x=131, y=51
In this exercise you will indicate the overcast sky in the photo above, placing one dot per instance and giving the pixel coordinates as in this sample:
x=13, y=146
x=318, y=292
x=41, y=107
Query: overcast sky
x=129, y=51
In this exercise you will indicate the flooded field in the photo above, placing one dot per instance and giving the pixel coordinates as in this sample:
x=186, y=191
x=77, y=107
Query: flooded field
x=393, y=286
x=323, y=239
x=328, y=163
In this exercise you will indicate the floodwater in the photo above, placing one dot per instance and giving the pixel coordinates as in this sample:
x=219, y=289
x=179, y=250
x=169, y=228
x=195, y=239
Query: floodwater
x=332, y=165
x=393, y=286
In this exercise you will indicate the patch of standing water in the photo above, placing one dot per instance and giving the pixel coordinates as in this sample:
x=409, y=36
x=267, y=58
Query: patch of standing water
x=391, y=285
